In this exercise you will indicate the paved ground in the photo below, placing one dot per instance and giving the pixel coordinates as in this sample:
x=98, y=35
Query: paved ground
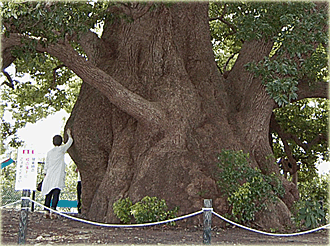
x=66, y=231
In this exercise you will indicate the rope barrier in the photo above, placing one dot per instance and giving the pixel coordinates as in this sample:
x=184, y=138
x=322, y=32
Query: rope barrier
x=118, y=225
x=269, y=233
x=9, y=204
x=172, y=220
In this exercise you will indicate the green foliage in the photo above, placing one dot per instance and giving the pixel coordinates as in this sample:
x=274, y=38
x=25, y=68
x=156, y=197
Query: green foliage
x=8, y=177
x=51, y=86
x=70, y=190
x=226, y=46
x=39, y=95
x=312, y=215
x=315, y=189
x=52, y=20
x=306, y=120
x=312, y=209
x=297, y=31
x=149, y=209
x=122, y=209
x=247, y=188
x=30, y=102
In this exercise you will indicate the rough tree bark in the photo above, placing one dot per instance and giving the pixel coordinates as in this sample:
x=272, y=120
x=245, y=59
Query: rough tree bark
x=154, y=111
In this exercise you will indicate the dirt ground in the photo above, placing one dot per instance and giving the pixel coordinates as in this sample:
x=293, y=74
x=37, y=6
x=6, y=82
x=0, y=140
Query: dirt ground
x=66, y=231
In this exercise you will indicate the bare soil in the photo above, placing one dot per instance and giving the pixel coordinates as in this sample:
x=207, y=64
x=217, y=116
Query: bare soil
x=66, y=231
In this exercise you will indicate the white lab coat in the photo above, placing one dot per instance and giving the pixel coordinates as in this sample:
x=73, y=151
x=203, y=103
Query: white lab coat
x=55, y=168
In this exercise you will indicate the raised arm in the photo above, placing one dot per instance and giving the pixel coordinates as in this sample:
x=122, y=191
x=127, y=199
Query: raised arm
x=68, y=144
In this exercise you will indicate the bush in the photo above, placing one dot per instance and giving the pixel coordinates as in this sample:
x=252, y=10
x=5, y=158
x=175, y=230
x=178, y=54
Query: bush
x=246, y=187
x=122, y=209
x=149, y=209
x=312, y=209
x=311, y=214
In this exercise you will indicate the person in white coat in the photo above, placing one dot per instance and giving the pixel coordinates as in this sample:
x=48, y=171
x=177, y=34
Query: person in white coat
x=54, y=170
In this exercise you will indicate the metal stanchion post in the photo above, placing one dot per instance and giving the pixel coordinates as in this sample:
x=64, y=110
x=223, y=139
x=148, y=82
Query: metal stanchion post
x=23, y=220
x=33, y=198
x=207, y=218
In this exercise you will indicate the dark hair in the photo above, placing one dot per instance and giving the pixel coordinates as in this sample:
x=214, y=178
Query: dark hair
x=57, y=140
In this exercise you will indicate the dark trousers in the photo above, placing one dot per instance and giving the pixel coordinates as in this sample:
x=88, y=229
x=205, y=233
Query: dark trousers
x=54, y=195
x=79, y=196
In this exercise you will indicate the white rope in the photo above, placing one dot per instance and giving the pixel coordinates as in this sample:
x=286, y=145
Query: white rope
x=173, y=220
x=9, y=204
x=118, y=225
x=268, y=233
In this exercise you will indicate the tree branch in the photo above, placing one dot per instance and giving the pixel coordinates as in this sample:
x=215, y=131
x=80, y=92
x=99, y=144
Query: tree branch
x=287, y=149
x=220, y=18
x=231, y=26
x=228, y=60
x=54, y=75
x=252, y=51
x=7, y=45
x=141, y=109
x=286, y=136
x=10, y=82
x=315, y=90
x=89, y=41
x=131, y=103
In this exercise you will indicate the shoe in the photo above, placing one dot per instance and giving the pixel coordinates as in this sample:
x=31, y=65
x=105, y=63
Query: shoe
x=53, y=216
x=47, y=215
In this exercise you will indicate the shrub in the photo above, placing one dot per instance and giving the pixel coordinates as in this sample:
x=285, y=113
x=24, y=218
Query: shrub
x=149, y=209
x=246, y=187
x=311, y=214
x=312, y=209
x=122, y=209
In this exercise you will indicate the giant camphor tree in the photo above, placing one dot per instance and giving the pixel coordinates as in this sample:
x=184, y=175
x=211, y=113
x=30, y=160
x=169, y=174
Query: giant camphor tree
x=154, y=107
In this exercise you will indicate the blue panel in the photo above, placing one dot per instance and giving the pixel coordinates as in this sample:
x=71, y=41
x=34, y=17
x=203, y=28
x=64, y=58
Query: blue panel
x=6, y=163
x=66, y=204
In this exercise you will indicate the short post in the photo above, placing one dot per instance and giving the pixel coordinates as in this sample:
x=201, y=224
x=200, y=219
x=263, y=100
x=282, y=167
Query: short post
x=207, y=218
x=23, y=220
x=33, y=198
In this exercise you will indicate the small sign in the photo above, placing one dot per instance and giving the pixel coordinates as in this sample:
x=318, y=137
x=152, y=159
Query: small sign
x=26, y=169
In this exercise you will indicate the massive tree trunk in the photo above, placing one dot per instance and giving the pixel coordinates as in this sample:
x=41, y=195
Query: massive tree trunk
x=159, y=135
